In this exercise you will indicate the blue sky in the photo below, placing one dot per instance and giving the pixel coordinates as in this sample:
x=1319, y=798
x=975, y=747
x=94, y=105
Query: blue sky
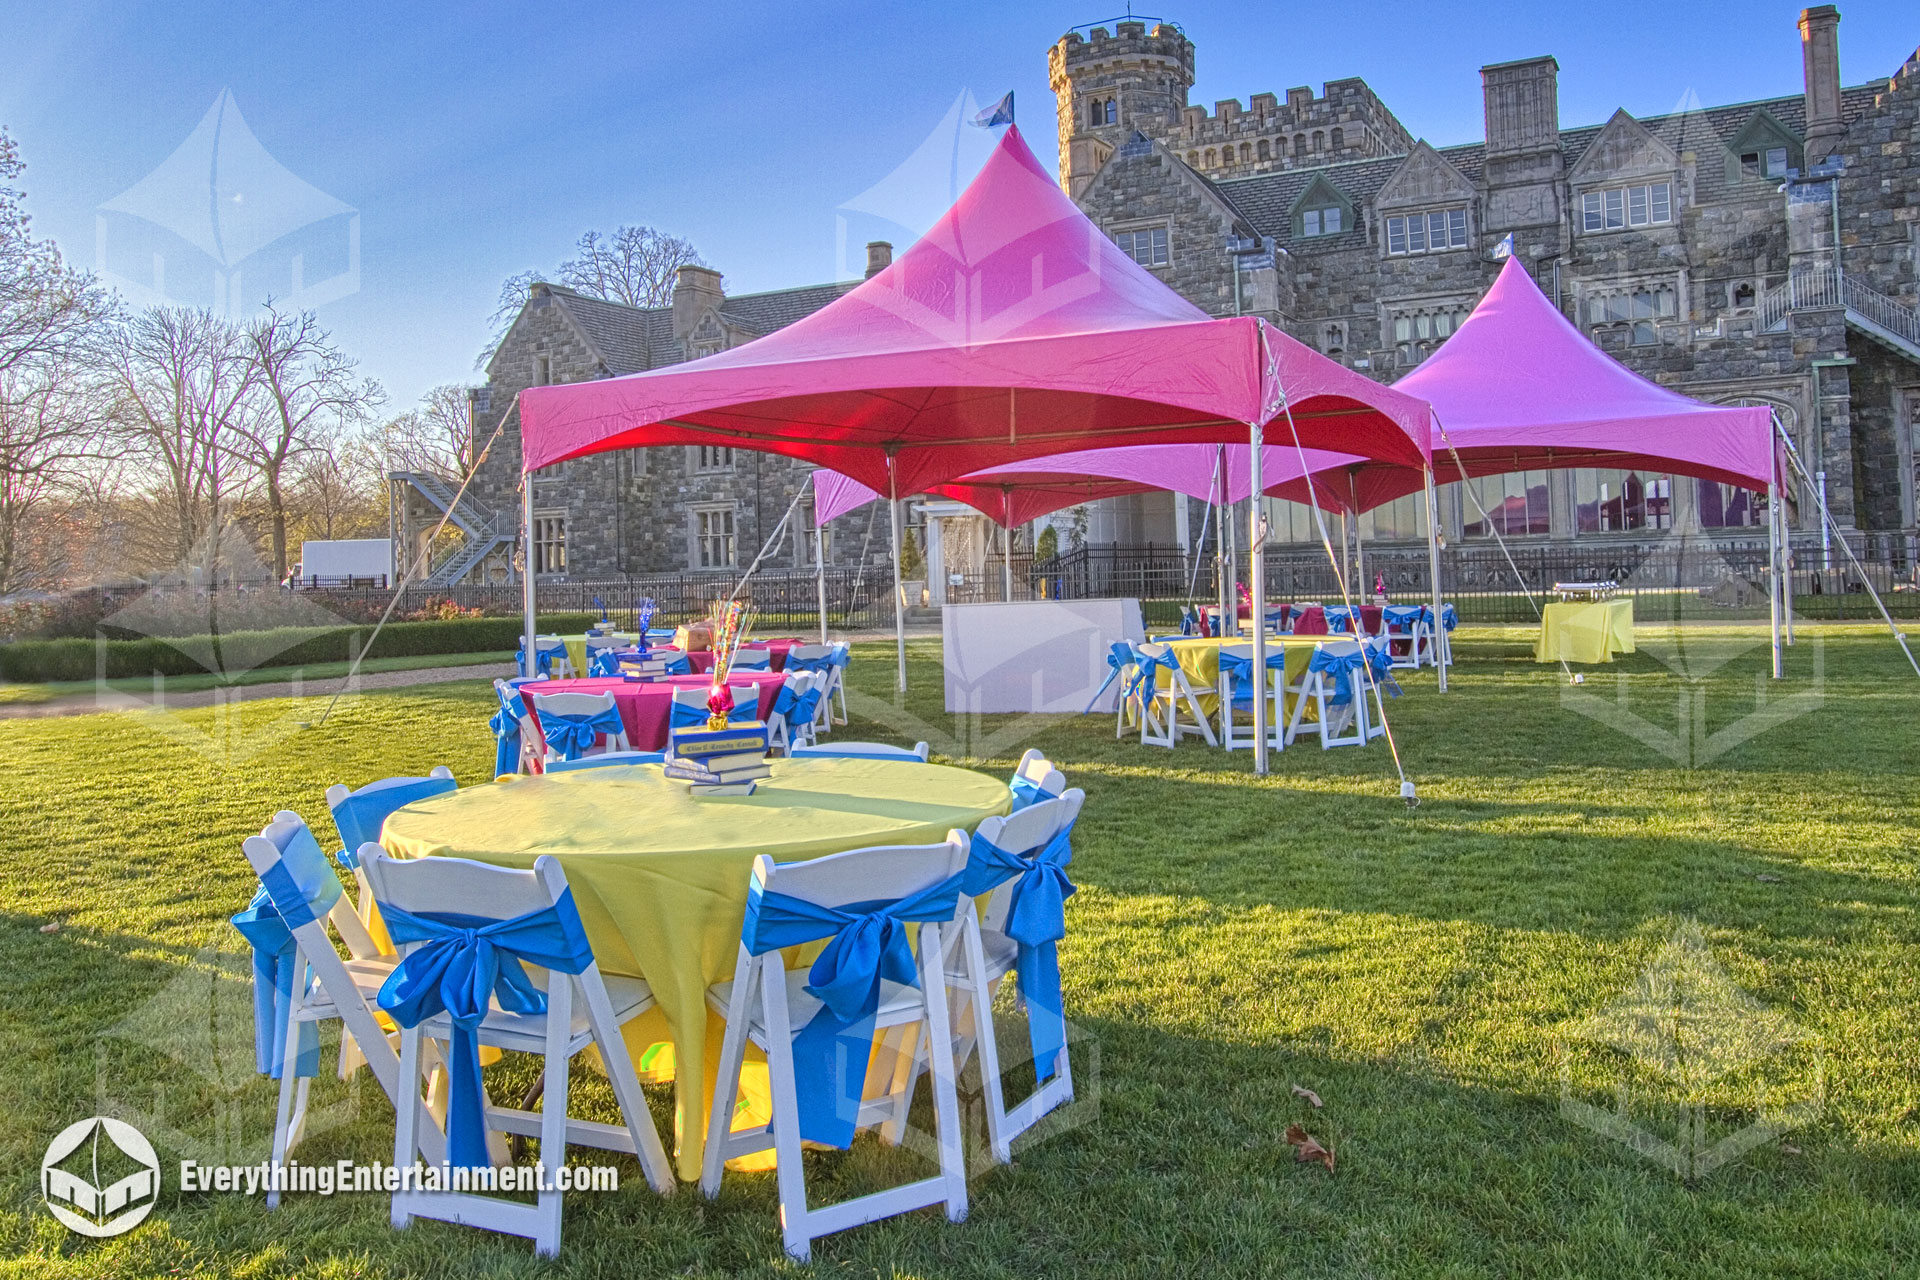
x=480, y=139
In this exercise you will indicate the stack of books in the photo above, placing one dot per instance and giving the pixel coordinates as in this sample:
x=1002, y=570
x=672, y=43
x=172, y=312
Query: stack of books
x=719, y=762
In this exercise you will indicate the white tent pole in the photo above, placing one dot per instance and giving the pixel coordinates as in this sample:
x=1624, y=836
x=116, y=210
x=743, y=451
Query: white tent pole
x=1346, y=540
x=1257, y=588
x=528, y=665
x=1433, y=568
x=899, y=589
x=1229, y=572
x=1006, y=539
x=1359, y=544
x=1773, y=584
x=820, y=564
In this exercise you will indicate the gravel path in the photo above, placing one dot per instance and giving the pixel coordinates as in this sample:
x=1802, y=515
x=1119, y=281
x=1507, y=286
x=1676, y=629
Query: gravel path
x=113, y=700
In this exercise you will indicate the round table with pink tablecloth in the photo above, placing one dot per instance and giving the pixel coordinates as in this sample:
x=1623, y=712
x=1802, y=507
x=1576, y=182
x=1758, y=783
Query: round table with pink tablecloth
x=701, y=660
x=646, y=706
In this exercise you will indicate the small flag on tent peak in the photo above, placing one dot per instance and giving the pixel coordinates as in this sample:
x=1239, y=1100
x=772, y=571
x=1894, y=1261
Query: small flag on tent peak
x=1503, y=250
x=999, y=113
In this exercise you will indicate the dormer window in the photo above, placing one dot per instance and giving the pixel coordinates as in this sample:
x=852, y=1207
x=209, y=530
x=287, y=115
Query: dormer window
x=1429, y=232
x=1320, y=222
x=1771, y=163
x=1619, y=207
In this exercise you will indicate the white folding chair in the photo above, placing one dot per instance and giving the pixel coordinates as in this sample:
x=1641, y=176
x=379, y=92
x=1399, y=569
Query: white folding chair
x=561, y=666
x=1035, y=778
x=756, y=658
x=307, y=895
x=575, y=705
x=1343, y=721
x=1234, y=697
x=1405, y=630
x=744, y=695
x=1174, y=710
x=533, y=747
x=766, y=1004
x=917, y=753
x=985, y=955
x=819, y=658
x=787, y=730
x=465, y=890
x=359, y=814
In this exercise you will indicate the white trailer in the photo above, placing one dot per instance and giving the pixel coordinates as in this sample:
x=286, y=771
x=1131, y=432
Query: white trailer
x=344, y=562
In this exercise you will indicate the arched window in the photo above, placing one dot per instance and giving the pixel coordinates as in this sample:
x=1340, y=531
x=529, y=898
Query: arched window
x=1266, y=153
x=1193, y=159
x=1096, y=114
x=1319, y=141
x=1339, y=139
x=1743, y=294
x=1209, y=157
x=1113, y=112
x=1246, y=153
x=1299, y=144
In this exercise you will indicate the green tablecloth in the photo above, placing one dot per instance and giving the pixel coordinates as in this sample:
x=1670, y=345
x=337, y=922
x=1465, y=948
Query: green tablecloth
x=1585, y=631
x=661, y=878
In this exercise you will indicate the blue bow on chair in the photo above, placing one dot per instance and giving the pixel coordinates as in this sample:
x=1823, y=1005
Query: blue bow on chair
x=1037, y=920
x=1239, y=669
x=798, y=708
x=574, y=736
x=542, y=660
x=1026, y=791
x=280, y=907
x=1120, y=656
x=1339, y=666
x=686, y=716
x=823, y=663
x=362, y=813
x=1403, y=615
x=506, y=732
x=871, y=943
x=466, y=962
x=1448, y=618
x=1144, y=682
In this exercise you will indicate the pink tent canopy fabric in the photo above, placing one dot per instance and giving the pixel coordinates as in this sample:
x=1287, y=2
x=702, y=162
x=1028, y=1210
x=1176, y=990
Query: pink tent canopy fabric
x=1013, y=329
x=1015, y=501
x=1518, y=387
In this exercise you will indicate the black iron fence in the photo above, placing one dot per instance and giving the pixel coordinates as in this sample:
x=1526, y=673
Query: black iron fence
x=1679, y=577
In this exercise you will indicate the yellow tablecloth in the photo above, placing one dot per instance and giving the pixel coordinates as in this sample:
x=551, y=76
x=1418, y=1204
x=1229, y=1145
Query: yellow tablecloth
x=577, y=648
x=661, y=878
x=1200, y=663
x=1585, y=631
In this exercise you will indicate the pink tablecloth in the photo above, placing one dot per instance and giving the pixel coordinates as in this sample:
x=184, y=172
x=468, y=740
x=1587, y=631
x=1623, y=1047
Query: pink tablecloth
x=646, y=707
x=702, y=659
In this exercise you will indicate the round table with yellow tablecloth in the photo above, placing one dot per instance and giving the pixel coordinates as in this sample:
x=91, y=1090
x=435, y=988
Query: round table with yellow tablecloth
x=1199, y=659
x=1585, y=631
x=661, y=877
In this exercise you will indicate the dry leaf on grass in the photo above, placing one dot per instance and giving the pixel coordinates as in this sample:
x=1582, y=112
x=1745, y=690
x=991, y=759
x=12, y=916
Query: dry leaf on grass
x=1313, y=1099
x=1307, y=1148
x=50, y=928
x=1764, y=878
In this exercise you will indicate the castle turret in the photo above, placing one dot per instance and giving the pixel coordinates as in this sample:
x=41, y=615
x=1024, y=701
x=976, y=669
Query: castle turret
x=1107, y=85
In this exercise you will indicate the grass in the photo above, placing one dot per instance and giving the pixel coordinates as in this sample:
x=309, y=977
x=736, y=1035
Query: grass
x=1423, y=970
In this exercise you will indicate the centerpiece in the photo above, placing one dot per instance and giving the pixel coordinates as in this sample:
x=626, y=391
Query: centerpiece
x=725, y=756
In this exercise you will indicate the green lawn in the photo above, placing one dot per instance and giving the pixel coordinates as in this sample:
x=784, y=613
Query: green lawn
x=1432, y=974
x=312, y=671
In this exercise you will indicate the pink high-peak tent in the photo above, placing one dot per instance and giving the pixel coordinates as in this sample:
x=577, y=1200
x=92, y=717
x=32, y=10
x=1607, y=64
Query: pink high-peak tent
x=1013, y=329
x=1519, y=388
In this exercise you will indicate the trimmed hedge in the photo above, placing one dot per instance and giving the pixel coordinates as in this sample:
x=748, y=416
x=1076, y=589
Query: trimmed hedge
x=38, y=661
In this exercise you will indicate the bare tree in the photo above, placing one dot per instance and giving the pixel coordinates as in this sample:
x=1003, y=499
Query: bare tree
x=306, y=388
x=435, y=436
x=636, y=265
x=182, y=381
x=47, y=423
x=47, y=310
x=339, y=489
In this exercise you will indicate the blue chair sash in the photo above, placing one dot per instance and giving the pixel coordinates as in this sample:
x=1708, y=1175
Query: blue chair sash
x=797, y=708
x=542, y=659
x=603, y=663
x=281, y=906
x=1403, y=615
x=1338, y=667
x=1144, y=680
x=506, y=733
x=758, y=660
x=1448, y=618
x=1026, y=791
x=572, y=736
x=870, y=943
x=1036, y=920
x=823, y=663
x=687, y=716
x=1119, y=658
x=362, y=813
x=467, y=962
x=1238, y=668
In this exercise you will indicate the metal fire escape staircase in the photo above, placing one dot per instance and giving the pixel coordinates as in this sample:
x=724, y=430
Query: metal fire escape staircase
x=1870, y=313
x=481, y=530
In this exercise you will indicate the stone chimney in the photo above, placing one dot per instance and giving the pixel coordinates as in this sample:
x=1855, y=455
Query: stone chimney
x=879, y=257
x=1820, y=57
x=1524, y=161
x=696, y=291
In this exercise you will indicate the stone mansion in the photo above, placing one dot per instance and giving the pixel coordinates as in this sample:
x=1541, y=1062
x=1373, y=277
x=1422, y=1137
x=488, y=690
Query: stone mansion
x=1760, y=252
